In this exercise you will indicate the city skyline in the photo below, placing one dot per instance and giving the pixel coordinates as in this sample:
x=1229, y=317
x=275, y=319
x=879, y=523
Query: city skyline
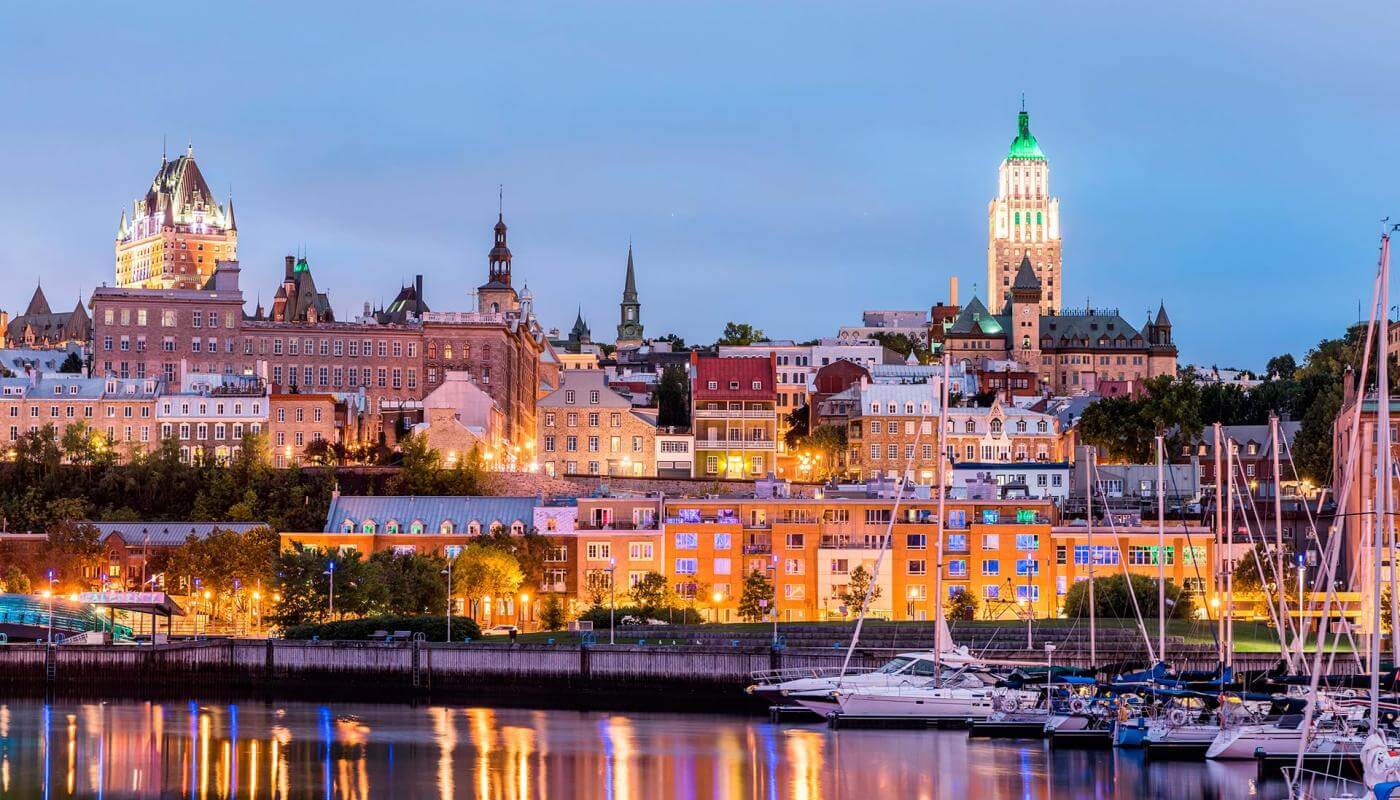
x=820, y=179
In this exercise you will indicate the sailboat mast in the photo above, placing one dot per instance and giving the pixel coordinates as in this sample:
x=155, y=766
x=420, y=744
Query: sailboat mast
x=1219, y=537
x=1089, y=518
x=938, y=615
x=1274, y=445
x=1161, y=556
x=1229, y=553
x=1382, y=489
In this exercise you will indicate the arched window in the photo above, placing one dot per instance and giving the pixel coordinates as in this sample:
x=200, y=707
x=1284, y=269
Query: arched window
x=474, y=528
x=392, y=526
x=1018, y=218
x=1037, y=218
x=447, y=351
x=432, y=349
x=415, y=526
x=995, y=426
x=517, y=528
x=446, y=527
x=367, y=526
x=909, y=408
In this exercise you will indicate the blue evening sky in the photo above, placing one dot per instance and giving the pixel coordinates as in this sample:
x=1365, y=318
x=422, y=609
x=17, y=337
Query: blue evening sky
x=783, y=164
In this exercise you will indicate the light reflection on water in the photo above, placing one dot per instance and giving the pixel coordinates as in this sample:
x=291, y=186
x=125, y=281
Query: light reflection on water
x=350, y=751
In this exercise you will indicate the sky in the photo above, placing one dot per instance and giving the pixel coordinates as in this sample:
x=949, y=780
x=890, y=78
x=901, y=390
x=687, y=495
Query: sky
x=787, y=165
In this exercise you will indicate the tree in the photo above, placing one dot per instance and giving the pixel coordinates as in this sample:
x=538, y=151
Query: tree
x=1124, y=428
x=1111, y=598
x=676, y=342
x=72, y=364
x=304, y=580
x=229, y=564
x=961, y=607
x=1282, y=367
x=72, y=550
x=651, y=592
x=530, y=550
x=673, y=398
x=408, y=584
x=16, y=582
x=481, y=571
x=552, y=616
x=797, y=423
x=860, y=586
x=422, y=472
x=904, y=344
x=597, y=586
x=756, y=598
x=741, y=333
x=820, y=452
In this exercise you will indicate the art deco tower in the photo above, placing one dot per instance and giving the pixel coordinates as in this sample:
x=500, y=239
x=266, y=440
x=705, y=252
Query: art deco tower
x=176, y=233
x=1023, y=222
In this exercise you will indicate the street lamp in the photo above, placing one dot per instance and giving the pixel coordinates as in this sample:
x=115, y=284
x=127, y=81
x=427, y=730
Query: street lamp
x=520, y=612
x=774, y=566
x=448, y=573
x=612, y=600
x=52, y=580
x=717, y=597
x=330, y=607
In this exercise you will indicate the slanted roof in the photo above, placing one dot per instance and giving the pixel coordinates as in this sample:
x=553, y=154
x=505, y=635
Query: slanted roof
x=430, y=511
x=741, y=372
x=975, y=319
x=38, y=304
x=167, y=534
x=1025, y=276
x=1024, y=145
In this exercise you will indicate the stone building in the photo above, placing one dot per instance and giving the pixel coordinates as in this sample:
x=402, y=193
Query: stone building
x=119, y=411
x=1071, y=351
x=40, y=328
x=209, y=414
x=297, y=422
x=587, y=428
x=176, y=233
x=458, y=417
x=1023, y=222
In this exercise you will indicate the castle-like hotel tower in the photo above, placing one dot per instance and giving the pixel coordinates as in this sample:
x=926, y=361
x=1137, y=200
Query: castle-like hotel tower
x=1023, y=221
x=176, y=233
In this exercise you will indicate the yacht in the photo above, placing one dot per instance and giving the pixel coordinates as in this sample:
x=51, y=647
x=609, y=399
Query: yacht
x=790, y=687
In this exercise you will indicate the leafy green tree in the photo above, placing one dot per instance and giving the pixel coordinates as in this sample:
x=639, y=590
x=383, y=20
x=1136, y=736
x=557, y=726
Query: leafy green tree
x=1111, y=598
x=860, y=585
x=824, y=448
x=481, y=570
x=676, y=342
x=904, y=344
x=422, y=472
x=408, y=584
x=229, y=564
x=74, y=551
x=673, y=398
x=797, y=423
x=756, y=597
x=741, y=333
x=16, y=582
x=597, y=586
x=304, y=580
x=1282, y=367
x=552, y=615
x=962, y=607
x=530, y=550
x=651, y=592
x=72, y=364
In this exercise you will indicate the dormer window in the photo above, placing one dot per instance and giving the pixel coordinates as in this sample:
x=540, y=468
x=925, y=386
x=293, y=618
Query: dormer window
x=758, y=386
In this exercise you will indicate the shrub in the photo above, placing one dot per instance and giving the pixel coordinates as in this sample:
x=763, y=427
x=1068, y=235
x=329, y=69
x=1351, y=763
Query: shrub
x=434, y=629
x=600, y=618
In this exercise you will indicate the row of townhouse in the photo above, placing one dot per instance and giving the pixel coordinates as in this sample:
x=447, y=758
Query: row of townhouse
x=1010, y=554
x=207, y=414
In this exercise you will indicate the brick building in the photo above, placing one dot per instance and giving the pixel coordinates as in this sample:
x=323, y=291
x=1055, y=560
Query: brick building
x=297, y=421
x=587, y=428
x=120, y=411
x=176, y=233
x=733, y=415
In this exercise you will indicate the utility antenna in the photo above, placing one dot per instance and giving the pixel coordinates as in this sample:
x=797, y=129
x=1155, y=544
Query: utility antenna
x=1023, y=102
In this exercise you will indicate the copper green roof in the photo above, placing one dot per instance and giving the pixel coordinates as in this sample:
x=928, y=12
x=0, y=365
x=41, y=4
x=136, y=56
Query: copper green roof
x=1024, y=145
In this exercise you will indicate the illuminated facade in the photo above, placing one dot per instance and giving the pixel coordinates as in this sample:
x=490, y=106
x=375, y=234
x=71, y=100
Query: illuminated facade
x=1023, y=222
x=176, y=234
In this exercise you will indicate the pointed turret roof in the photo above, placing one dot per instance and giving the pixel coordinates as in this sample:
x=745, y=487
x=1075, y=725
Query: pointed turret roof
x=38, y=304
x=232, y=223
x=629, y=291
x=1025, y=276
x=1024, y=145
x=1162, y=320
x=974, y=318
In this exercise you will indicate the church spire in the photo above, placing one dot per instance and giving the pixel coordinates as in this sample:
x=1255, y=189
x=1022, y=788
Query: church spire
x=629, y=326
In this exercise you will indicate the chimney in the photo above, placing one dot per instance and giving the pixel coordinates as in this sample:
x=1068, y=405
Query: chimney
x=291, y=265
x=418, y=294
x=953, y=290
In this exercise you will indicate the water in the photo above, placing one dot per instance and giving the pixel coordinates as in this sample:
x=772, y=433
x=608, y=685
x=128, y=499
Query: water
x=294, y=750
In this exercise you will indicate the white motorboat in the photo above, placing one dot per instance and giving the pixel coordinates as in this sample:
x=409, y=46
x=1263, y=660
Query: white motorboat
x=963, y=701
x=915, y=668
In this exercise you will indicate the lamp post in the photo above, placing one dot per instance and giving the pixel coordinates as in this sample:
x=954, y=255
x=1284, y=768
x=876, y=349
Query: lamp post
x=612, y=600
x=52, y=580
x=448, y=573
x=520, y=614
x=1049, y=667
x=717, y=598
x=774, y=565
x=330, y=600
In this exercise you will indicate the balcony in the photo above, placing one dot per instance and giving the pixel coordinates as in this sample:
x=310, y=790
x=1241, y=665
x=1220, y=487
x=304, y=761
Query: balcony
x=725, y=413
x=616, y=525
x=758, y=549
x=557, y=587
x=735, y=444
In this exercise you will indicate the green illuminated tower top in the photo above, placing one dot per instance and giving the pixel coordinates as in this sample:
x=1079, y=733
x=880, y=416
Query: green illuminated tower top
x=1024, y=145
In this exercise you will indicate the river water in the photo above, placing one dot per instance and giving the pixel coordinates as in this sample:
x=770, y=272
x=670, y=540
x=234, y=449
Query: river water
x=340, y=750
